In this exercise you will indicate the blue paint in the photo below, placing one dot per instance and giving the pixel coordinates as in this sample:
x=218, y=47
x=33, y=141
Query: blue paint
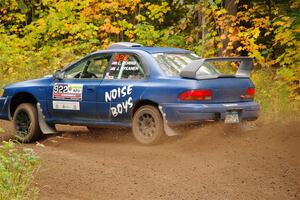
x=156, y=87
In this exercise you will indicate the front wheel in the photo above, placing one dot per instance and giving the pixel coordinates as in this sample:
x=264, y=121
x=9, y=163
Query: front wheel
x=26, y=123
x=147, y=125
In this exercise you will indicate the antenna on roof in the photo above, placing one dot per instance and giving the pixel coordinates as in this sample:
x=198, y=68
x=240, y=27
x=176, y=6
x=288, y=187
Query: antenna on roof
x=119, y=45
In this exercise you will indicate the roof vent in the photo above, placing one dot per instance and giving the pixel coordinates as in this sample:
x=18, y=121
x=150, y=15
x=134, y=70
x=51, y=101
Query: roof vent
x=120, y=45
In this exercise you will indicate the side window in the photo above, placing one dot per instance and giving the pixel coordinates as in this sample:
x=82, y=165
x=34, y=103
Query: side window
x=97, y=66
x=125, y=66
x=93, y=67
x=75, y=70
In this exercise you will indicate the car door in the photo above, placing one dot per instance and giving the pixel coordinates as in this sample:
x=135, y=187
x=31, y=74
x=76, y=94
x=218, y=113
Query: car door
x=122, y=86
x=74, y=98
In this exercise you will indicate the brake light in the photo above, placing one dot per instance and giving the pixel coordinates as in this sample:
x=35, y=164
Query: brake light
x=249, y=94
x=195, y=95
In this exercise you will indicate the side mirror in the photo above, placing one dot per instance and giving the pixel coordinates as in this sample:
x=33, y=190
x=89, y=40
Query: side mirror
x=58, y=75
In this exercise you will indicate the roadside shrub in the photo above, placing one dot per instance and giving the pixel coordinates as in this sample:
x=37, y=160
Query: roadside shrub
x=17, y=169
x=273, y=95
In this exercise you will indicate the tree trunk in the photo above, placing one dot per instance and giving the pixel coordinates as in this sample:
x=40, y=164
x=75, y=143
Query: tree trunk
x=231, y=8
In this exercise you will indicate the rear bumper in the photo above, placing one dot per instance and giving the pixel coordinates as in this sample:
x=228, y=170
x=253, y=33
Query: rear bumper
x=4, y=107
x=179, y=113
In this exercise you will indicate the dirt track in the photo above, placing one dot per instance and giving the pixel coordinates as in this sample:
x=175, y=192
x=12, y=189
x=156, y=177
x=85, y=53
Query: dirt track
x=263, y=163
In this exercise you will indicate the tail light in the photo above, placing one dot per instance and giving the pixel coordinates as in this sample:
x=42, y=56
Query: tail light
x=249, y=94
x=195, y=95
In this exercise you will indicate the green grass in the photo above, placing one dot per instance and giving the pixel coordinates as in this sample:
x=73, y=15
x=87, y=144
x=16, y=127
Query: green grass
x=273, y=95
x=17, y=169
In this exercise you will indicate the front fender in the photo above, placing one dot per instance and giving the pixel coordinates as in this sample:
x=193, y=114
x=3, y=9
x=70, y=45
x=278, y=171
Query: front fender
x=4, y=107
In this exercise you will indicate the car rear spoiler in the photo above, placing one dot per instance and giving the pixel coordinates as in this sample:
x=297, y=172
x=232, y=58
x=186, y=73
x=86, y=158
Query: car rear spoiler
x=244, y=70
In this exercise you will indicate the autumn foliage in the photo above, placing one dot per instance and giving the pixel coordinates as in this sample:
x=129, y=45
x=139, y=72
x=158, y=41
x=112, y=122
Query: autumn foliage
x=39, y=36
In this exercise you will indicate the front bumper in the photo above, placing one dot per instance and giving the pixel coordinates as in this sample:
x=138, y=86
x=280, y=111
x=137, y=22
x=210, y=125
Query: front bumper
x=4, y=107
x=179, y=113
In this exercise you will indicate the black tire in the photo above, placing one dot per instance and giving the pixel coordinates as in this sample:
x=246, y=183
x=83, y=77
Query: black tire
x=147, y=125
x=26, y=123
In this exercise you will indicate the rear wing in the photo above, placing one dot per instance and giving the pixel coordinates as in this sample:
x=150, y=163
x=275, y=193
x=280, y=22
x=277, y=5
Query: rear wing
x=244, y=69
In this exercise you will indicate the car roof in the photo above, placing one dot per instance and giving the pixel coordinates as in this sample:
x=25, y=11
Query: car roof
x=121, y=46
x=153, y=50
x=150, y=50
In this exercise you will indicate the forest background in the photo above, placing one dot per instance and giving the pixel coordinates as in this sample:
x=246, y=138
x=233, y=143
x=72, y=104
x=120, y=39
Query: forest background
x=40, y=36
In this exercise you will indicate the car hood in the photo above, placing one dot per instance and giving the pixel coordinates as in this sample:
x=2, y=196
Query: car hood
x=30, y=83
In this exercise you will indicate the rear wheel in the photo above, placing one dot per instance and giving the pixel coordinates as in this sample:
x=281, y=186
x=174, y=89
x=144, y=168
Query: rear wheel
x=26, y=123
x=147, y=125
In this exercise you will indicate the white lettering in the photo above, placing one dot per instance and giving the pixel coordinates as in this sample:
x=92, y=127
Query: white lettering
x=129, y=89
x=107, y=96
x=123, y=106
x=119, y=108
x=114, y=111
x=114, y=93
x=130, y=102
x=118, y=93
x=124, y=91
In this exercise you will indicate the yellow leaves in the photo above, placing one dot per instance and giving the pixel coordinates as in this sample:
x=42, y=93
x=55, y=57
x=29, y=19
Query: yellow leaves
x=149, y=42
x=297, y=29
x=245, y=6
x=130, y=34
x=140, y=18
x=295, y=4
x=123, y=12
x=283, y=22
x=219, y=45
x=220, y=12
x=256, y=54
x=156, y=12
x=256, y=33
x=240, y=48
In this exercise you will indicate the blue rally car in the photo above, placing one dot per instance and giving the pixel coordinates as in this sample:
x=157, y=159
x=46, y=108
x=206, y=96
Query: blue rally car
x=151, y=89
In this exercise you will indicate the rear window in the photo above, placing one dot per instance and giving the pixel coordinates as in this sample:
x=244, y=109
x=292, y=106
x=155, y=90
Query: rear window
x=173, y=63
x=207, y=69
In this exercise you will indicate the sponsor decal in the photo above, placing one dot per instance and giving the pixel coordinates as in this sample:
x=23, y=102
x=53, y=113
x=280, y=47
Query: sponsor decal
x=121, y=92
x=128, y=63
x=67, y=91
x=125, y=68
x=66, y=105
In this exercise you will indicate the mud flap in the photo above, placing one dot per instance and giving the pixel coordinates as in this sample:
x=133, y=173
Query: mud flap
x=168, y=130
x=45, y=128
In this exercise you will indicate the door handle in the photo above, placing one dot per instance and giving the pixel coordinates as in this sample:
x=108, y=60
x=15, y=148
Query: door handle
x=91, y=89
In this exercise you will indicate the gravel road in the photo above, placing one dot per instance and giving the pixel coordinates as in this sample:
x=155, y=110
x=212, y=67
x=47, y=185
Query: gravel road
x=206, y=163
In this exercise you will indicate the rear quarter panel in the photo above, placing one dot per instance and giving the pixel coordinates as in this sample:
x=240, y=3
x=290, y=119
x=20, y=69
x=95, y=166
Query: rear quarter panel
x=167, y=89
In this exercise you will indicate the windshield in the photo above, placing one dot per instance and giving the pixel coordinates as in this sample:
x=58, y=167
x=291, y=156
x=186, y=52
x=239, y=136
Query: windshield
x=173, y=63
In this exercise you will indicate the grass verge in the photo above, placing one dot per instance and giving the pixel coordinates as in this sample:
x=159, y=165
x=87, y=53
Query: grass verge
x=17, y=169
